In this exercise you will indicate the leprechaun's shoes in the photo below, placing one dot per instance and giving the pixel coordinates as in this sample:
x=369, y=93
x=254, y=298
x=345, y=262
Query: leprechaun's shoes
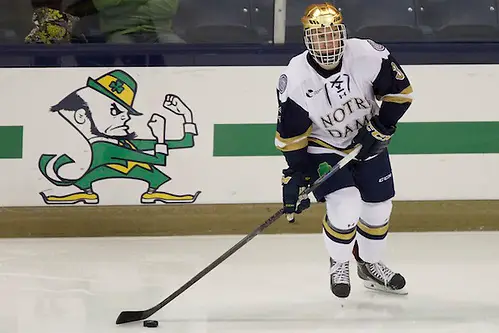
x=156, y=196
x=73, y=198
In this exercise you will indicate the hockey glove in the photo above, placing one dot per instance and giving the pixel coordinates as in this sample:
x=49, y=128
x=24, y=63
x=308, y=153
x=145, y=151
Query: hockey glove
x=374, y=138
x=294, y=182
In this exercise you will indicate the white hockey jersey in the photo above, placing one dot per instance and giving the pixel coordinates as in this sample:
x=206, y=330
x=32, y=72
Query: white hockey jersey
x=323, y=110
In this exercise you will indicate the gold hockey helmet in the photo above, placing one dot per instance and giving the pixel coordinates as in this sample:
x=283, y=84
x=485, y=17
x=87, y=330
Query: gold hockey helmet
x=324, y=33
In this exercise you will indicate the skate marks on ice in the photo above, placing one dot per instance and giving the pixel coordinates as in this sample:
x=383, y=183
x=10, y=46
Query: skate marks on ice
x=277, y=284
x=364, y=312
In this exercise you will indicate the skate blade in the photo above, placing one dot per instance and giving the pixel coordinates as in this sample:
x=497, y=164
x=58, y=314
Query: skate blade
x=378, y=287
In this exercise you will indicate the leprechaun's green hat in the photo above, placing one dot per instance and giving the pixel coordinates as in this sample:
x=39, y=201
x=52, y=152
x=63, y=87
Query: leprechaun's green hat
x=119, y=86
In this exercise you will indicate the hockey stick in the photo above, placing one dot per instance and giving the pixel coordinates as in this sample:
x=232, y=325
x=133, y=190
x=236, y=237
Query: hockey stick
x=130, y=316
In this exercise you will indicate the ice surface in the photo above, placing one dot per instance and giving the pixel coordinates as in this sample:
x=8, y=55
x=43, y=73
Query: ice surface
x=275, y=283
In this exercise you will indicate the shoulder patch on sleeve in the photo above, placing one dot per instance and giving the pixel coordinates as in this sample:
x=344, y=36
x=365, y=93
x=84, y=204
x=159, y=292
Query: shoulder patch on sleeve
x=399, y=75
x=283, y=83
x=376, y=46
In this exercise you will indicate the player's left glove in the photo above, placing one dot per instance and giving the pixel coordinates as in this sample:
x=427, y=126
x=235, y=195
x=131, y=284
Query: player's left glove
x=374, y=138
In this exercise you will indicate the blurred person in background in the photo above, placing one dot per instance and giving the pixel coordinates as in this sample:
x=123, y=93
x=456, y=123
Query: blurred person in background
x=138, y=21
x=119, y=22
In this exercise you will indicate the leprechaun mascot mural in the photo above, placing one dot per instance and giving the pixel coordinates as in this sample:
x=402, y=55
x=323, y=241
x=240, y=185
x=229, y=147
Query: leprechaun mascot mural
x=100, y=112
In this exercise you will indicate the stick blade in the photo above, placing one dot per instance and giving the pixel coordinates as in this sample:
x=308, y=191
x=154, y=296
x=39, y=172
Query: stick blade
x=129, y=316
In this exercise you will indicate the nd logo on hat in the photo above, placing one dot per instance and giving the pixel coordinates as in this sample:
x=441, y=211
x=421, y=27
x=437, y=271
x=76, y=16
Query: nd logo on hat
x=119, y=86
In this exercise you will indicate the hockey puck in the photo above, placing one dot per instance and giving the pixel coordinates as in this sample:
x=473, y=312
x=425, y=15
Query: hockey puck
x=151, y=323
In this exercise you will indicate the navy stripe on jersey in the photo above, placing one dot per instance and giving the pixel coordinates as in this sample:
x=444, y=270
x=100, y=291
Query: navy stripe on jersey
x=293, y=128
x=299, y=160
x=390, y=113
x=393, y=88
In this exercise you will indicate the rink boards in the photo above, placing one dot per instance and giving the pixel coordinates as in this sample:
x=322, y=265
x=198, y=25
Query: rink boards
x=446, y=147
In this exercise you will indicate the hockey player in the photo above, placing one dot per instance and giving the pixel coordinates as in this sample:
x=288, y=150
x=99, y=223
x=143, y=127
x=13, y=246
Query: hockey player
x=327, y=98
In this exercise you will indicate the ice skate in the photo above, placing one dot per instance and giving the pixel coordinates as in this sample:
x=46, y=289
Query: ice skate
x=377, y=276
x=340, y=278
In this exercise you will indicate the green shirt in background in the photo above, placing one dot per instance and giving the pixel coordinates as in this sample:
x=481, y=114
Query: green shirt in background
x=129, y=16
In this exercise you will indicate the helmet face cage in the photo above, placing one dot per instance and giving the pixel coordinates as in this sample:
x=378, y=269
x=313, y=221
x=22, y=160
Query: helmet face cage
x=326, y=44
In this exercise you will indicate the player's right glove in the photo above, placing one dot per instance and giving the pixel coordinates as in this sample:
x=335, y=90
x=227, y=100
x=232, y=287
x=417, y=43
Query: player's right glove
x=293, y=183
x=374, y=138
